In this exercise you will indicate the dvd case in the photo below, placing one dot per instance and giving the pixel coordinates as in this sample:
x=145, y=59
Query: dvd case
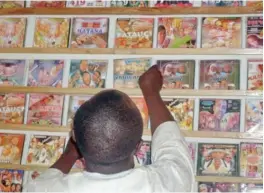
x=11, y=180
x=255, y=32
x=12, y=32
x=49, y=3
x=177, y=74
x=86, y=3
x=128, y=71
x=143, y=155
x=45, y=109
x=219, y=74
x=11, y=148
x=173, y=3
x=51, y=32
x=12, y=107
x=251, y=160
x=142, y=107
x=11, y=4
x=45, y=150
x=254, y=116
x=222, y=3
x=218, y=159
x=182, y=112
x=12, y=72
x=217, y=187
x=258, y=4
x=255, y=74
x=88, y=73
x=219, y=115
x=257, y=188
x=46, y=73
x=221, y=32
x=177, y=32
x=134, y=33
x=89, y=33
x=130, y=3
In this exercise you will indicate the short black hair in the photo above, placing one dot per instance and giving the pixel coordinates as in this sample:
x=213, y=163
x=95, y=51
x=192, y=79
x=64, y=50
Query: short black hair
x=108, y=128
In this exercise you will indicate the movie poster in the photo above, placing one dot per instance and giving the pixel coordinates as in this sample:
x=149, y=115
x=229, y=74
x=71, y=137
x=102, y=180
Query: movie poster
x=11, y=180
x=177, y=32
x=11, y=148
x=88, y=73
x=45, y=150
x=218, y=159
x=12, y=32
x=219, y=115
x=12, y=72
x=255, y=32
x=219, y=74
x=177, y=74
x=46, y=73
x=255, y=74
x=134, y=33
x=254, y=116
x=89, y=33
x=221, y=32
x=128, y=71
x=12, y=107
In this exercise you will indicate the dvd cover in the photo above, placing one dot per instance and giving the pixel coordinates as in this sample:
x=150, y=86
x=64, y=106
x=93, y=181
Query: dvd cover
x=217, y=187
x=255, y=32
x=222, y=3
x=255, y=74
x=86, y=3
x=130, y=3
x=142, y=107
x=143, y=155
x=173, y=3
x=11, y=180
x=41, y=4
x=11, y=4
x=257, y=188
x=254, y=116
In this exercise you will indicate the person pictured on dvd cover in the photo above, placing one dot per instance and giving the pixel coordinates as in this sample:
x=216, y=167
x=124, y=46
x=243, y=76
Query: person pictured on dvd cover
x=107, y=133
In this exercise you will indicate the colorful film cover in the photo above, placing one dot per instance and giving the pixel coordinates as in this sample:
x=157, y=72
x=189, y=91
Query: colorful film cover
x=45, y=109
x=11, y=4
x=219, y=115
x=217, y=187
x=182, y=112
x=177, y=32
x=88, y=73
x=221, y=32
x=173, y=3
x=89, y=33
x=142, y=107
x=11, y=148
x=255, y=32
x=143, y=155
x=218, y=159
x=258, y=4
x=130, y=3
x=255, y=75
x=257, y=188
x=177, y=74
x=11, y=180
x=51, y=32
x=219, y=74
x=222, y=3
x=46, y=73
x=86, y=3
x=45, y=150
x=75, y=103
x=12, y=107
x=134, y=33
x=12, y=32
x=128, y=71
x=192, y=150
x=41, y=4
x=12, y=72
x=254, y=115
x=251, y=160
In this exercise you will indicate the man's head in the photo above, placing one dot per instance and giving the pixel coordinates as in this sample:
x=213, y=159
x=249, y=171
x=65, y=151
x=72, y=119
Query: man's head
x=108, y=129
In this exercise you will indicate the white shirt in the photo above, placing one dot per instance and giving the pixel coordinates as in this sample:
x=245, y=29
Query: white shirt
x=171, y=171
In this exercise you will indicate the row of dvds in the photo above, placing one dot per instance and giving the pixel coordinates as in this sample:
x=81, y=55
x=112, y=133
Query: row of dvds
x=172, y=32
x=214, y=114
x=177, y=74
x=129, y=3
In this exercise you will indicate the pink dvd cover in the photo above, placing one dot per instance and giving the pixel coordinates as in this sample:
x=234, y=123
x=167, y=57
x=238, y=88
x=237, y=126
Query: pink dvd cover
x=221, y=32
x=255, y=32
x=254, y=116
x=219, y=74
x=219, y=115
x=86, y=3
x=45, y=109
x=255, y=74
x=173, y=3
x=177, y=32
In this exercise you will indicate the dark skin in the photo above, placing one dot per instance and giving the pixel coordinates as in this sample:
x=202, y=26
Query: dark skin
x=150, y=83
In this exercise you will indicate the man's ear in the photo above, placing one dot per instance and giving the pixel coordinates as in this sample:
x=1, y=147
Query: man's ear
x=73, y=135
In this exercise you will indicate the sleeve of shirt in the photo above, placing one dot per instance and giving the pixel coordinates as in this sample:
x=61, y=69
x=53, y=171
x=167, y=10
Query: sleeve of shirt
x=48, y=181
x=171, y=158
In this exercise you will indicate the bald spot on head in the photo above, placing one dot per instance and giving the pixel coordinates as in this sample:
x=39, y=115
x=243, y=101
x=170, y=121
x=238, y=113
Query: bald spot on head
x=108, y=128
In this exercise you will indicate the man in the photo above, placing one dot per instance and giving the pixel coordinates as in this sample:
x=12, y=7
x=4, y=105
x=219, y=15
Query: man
x=108, y=130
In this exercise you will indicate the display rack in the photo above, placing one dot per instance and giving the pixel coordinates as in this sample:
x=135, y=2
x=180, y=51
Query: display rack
x=135, y=92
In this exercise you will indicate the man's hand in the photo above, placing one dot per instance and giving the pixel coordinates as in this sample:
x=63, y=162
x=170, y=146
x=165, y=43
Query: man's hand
x=151, y=81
